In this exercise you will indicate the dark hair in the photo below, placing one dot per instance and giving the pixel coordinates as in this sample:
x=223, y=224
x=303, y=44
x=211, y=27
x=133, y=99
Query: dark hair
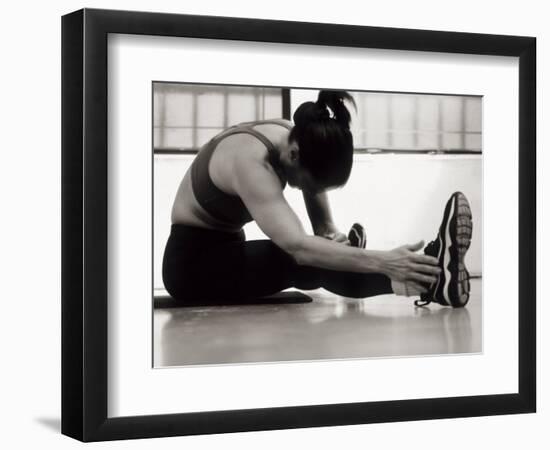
x=324, y=139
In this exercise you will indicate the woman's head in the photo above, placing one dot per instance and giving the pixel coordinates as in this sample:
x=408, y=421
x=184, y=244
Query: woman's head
x=322, y=140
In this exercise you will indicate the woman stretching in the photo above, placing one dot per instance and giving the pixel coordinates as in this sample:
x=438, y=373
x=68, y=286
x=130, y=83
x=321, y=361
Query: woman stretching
x=239, y=176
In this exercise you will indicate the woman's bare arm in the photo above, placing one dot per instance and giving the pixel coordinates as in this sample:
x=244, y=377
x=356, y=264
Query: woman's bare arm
x=259, y=188
x=318, y=211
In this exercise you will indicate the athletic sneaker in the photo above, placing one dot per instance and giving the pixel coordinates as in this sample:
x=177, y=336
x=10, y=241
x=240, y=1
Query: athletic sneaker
x=452, y=287
x=357, y=236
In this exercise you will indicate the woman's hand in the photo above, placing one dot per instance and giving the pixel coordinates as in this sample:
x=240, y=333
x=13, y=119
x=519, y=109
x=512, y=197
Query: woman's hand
x=332, y=233
x=404, y=264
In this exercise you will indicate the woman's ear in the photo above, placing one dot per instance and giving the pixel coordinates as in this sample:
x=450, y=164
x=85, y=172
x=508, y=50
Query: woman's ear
x=294, y=152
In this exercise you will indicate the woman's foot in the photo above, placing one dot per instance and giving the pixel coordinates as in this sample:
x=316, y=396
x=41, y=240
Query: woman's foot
x=357, y=236
x=452, y=287
x=405, y=289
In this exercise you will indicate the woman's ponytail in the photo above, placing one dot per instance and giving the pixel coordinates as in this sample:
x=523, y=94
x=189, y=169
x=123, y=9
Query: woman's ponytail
x=335, y=101
x=312, y=112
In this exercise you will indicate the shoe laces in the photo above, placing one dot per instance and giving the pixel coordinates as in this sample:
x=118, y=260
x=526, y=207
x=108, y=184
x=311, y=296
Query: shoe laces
x=422, y=302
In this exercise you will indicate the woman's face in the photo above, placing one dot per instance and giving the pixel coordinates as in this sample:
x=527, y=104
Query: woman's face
x=296, y=175
x=307, y=184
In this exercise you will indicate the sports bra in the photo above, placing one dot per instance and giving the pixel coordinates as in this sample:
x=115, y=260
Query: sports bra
x=224, y=207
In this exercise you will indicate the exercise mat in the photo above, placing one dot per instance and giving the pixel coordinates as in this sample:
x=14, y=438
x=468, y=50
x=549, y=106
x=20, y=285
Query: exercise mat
x=281, y=298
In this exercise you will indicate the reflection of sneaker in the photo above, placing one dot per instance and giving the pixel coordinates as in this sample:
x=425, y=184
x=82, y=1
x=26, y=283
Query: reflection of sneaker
x=452, y=287
x=357, y=236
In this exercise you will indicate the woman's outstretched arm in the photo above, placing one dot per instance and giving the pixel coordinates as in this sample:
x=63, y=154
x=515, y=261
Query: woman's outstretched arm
x=320, y=216
x=259, y=188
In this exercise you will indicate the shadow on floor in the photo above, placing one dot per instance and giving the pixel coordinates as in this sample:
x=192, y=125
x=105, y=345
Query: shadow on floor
x=281, y=298
x=53, y=423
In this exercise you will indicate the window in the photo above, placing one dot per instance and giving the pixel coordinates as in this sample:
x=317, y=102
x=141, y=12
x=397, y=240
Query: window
x=187, y=115
x=417, y=123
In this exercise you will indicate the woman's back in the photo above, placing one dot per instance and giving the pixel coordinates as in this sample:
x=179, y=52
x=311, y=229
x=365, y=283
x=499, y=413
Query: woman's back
x=205, y=197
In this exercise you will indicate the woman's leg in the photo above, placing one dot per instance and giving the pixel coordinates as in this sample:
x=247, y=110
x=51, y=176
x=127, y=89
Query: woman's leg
x=255, y=268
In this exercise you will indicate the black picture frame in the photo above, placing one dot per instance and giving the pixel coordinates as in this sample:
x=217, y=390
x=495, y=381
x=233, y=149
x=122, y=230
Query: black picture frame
x=84, y=224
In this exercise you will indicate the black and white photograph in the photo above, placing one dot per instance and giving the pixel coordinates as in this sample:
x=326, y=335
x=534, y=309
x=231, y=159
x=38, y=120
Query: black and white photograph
x=306, y=224
x=275, y=225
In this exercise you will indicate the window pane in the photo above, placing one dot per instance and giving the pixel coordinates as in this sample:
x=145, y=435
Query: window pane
x=402, y=117
x=377, y=112
x=205, y=134
x=428, y=112
x=451, y=113
x=451, y=141
x=273, y=103
x=473, y=142
x=375, y=117
x=473, y=114
x=241, y=107
x=178, y=138
x=403, y=112
x=178, y=109
x=210, y=108
x=428, y=140
x=403, y=140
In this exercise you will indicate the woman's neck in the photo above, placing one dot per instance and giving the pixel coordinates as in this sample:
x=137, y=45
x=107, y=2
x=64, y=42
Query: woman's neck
x=274, y=158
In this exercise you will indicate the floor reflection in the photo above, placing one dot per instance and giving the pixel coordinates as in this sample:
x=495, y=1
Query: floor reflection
x=330, y=327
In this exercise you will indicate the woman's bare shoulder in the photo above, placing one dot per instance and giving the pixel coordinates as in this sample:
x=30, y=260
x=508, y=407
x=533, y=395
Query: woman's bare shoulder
x=252, y=153
x=253, y=157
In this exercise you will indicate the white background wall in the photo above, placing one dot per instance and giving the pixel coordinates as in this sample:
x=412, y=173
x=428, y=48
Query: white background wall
x=30, y=246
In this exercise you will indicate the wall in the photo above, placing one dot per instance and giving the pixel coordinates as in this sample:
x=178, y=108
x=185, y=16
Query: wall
x=30, y=238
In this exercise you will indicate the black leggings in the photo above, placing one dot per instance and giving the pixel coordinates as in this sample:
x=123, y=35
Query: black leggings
x=202, y=265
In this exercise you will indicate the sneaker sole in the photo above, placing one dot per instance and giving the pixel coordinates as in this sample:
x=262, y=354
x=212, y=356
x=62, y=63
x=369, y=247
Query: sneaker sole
x=454, y=289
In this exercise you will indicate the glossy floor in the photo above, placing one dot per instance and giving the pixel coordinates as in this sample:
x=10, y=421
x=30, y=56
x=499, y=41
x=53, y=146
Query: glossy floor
x=330, y=327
